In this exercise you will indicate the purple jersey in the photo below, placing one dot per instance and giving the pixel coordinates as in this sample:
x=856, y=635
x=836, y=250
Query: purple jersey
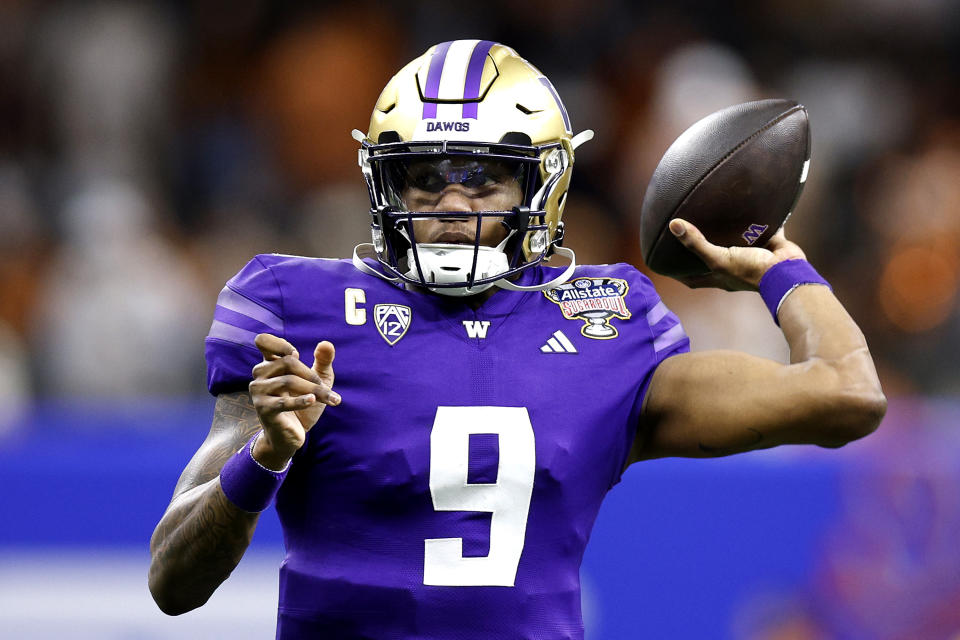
x=452, y=493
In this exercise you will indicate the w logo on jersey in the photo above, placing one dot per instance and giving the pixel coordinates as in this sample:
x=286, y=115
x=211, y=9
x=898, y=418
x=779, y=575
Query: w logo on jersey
x=476, y=328
x=392, y=320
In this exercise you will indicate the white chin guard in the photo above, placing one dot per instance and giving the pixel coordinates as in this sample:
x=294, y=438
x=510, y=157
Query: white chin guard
x=442, y=263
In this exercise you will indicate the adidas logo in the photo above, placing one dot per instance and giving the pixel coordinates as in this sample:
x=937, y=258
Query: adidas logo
x=558, y=343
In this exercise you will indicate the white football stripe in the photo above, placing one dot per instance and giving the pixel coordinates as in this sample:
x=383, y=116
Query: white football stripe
x=554, y=344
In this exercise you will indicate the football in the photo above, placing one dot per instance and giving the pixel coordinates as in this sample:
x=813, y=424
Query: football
x=736, y=174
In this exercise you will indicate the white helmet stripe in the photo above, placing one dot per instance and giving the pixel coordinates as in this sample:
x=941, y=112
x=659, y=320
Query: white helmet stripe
x=453, y=79
x=455, y=73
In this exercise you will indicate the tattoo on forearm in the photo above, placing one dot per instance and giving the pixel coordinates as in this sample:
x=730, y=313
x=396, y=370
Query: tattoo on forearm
x=203, y=539
x=234, y=422
x=203, y=535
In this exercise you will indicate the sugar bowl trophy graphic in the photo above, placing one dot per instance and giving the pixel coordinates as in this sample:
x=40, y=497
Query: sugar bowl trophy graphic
x=595, y=301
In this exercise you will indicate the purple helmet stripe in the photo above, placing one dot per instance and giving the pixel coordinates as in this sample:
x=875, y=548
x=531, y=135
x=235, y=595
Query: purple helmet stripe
x=471, y=86
x=563, y=109
x=432, y=90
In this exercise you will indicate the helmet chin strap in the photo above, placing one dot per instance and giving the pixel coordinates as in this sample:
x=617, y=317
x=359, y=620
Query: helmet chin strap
x=362, y=266
x=552, y=284
x=448, y=263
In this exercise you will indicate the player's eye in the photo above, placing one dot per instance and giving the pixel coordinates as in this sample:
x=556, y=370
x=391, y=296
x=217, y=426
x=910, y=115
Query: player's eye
x=434, y=176
x=426, y=180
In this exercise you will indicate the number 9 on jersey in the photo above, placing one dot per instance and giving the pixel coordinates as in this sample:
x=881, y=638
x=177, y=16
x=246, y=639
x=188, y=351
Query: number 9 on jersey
x=507, y=500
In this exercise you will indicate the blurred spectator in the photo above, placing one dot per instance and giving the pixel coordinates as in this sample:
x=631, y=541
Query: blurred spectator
x=908, y=203
x=119, y=311
x=317, y=82
x=105, y=67
x=235, y=118
x=14, y=379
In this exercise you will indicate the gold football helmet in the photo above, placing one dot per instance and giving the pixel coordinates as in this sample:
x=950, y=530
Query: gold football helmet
x=470, y=111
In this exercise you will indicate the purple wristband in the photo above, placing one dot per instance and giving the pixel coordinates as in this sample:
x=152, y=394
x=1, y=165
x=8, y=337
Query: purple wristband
x=247, y=483
x=782, y=278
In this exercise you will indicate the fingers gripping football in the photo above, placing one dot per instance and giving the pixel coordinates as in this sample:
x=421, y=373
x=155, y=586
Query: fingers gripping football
x=732, y=268
x=289, y=396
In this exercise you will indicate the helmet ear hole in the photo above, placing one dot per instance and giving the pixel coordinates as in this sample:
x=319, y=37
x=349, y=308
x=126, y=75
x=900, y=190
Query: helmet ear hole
x=386, y=137
x=516, y=137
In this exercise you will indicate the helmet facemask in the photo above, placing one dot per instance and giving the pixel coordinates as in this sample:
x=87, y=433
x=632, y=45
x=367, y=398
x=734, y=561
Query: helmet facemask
x=407, y=182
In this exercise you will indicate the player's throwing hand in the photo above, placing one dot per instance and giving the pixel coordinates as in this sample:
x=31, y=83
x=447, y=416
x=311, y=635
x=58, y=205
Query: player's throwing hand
x=289, y=396
x=732, y=268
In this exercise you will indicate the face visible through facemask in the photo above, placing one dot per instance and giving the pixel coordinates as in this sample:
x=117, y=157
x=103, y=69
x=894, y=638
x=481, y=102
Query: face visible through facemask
x=461, y=185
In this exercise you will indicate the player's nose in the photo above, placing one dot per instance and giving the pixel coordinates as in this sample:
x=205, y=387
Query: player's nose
x=455, y=198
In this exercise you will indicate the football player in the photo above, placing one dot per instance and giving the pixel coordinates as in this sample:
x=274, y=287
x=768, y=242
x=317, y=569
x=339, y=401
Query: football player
x=444, y=485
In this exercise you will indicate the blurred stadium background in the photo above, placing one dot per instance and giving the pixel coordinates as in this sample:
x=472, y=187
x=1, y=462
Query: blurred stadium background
x=148, y=149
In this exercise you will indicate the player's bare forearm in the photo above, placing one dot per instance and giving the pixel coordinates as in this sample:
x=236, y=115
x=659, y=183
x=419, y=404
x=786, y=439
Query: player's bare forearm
x=722, y=402
x=719, y=403
x=202, y=535
x=196, y=546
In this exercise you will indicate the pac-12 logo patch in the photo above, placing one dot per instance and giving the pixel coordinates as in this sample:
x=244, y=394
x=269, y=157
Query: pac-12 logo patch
x=596, y=301
x=392, y=320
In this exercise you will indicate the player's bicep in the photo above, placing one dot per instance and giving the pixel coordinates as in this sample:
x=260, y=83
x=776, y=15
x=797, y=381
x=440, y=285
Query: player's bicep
x=717, y=403
x=235, y=421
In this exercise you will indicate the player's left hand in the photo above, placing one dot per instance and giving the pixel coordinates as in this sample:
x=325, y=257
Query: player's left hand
x=732, y=268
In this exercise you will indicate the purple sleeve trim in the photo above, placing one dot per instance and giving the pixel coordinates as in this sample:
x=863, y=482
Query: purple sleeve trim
x=238, y=303
x=666, y=328
x=239, y=320
x=230, y=333
x=782, y=278
x=247, y=483
x=668, y=338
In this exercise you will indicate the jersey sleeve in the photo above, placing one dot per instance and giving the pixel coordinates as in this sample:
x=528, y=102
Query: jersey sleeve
x=667, y=334
x=661, y=335
x=249, y=304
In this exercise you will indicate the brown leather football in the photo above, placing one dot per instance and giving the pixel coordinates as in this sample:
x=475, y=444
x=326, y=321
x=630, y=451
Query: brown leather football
x=736, y=174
